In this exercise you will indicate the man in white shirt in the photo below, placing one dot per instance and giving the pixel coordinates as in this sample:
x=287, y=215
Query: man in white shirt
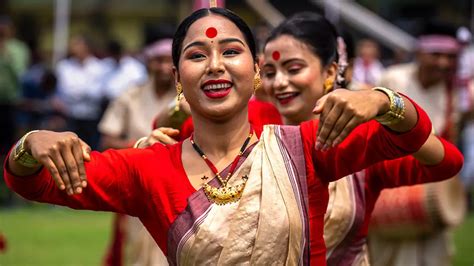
x=80, y=79
x=124, y=71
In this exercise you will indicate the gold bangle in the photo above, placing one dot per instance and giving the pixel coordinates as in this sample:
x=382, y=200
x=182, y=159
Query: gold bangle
x=139, y=141
x=396, y=113
x=21, y=156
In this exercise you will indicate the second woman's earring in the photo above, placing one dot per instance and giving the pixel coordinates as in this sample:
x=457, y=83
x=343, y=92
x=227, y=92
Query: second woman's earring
x=179, y=95
x=257, y=82
x=328, y=85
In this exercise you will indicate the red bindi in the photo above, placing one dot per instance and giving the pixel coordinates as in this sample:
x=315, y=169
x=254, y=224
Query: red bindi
x=211, y=32
x=276, y=55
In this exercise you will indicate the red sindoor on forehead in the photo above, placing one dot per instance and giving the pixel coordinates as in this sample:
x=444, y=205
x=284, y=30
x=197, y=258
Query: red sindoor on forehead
x=211, y=32
x=276, y=55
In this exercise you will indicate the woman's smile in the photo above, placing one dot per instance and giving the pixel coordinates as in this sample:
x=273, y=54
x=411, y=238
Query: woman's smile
x=216, y=89
x=286, y=97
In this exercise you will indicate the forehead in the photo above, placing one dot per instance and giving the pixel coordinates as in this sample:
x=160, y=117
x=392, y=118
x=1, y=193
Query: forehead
x=225, y=29
x=287, y=46
x=438, y=54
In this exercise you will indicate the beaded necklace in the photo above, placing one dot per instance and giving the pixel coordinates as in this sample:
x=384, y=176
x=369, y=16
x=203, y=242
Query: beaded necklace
x=224, y=194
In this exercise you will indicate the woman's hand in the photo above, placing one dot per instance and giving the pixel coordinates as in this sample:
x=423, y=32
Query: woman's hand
x=63, y=154
x=163, y=135
x=342, y=110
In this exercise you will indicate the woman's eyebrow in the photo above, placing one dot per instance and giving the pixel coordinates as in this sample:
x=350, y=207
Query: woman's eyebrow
x=197, y=43
x=228, y=40
x=201, y=43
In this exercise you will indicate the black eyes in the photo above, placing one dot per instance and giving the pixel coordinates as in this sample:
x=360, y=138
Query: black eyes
x=196, y=56
x=268, y=74
x=231, y=52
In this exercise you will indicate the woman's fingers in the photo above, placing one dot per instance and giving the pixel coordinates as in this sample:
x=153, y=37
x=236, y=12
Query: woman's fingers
x=169, y=131
x=61, y=169
x=326, y=119
x=86, y=150
x=339, y=126
x=78, y=157
x=320, y=104
x=49, y=164
x=72, y=169
x=326, y=124
x=164, y=135
x=353, y=122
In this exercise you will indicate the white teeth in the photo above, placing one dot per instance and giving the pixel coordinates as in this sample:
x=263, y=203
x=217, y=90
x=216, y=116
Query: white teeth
x=286, y=95
x=217, y=86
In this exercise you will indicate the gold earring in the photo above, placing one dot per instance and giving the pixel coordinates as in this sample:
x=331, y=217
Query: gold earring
x=179, y=95
x=257, y=81
x=328, y=85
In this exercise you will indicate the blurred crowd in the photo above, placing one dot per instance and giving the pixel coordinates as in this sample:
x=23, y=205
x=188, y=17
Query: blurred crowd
x=111, y=100
x=75, y=93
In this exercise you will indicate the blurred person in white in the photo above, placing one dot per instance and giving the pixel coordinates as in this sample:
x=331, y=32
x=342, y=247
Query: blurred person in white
x=14, y=59
x=426, y=240
x=467, y=137
x=80, y=78
x=465, y=84
x=465, y=71
x=367, y=67
x=127, y=119
x=124, y=71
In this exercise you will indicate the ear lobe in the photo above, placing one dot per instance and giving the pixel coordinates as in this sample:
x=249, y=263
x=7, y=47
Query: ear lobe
x=256, y=67
x=331, y=71
x=176, y=75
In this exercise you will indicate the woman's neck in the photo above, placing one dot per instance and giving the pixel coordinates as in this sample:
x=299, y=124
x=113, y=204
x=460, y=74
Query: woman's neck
x=218, y=138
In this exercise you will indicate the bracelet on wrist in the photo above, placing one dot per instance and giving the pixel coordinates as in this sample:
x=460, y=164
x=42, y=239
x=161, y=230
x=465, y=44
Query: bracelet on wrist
x=396, y=113
x=21, y=156
x=139, y=141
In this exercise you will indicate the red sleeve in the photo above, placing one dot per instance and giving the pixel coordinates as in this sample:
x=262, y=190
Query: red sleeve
x=409, y=171
x=367, y=144
x=114, y=184
x=186, y=129
x=263, y=113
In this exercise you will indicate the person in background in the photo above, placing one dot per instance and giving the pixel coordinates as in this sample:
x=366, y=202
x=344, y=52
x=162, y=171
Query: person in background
x=128, y=118
x=80, y=82
x=429, y=81
x=124, y=71
x=14, y=59
x=367, y=66
x=39, y=105
x=465, y=85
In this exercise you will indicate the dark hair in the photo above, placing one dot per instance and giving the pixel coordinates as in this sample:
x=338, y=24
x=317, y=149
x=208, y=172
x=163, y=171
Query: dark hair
x=114, y=47
x=312, y=29
x=438, y=27
x=196, y=15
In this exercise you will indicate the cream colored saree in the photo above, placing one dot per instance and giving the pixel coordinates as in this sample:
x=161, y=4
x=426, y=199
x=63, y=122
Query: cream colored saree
x=268, y=226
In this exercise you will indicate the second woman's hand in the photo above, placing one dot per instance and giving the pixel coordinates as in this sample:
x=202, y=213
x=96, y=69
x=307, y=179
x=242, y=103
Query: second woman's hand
x=63, y=154
x=342, y=110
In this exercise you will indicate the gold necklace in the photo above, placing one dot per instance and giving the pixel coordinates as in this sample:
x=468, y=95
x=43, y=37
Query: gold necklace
x=224, y=194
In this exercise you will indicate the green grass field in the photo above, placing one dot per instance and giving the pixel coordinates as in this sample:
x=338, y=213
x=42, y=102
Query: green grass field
x=54, y=236
x=58, y=236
